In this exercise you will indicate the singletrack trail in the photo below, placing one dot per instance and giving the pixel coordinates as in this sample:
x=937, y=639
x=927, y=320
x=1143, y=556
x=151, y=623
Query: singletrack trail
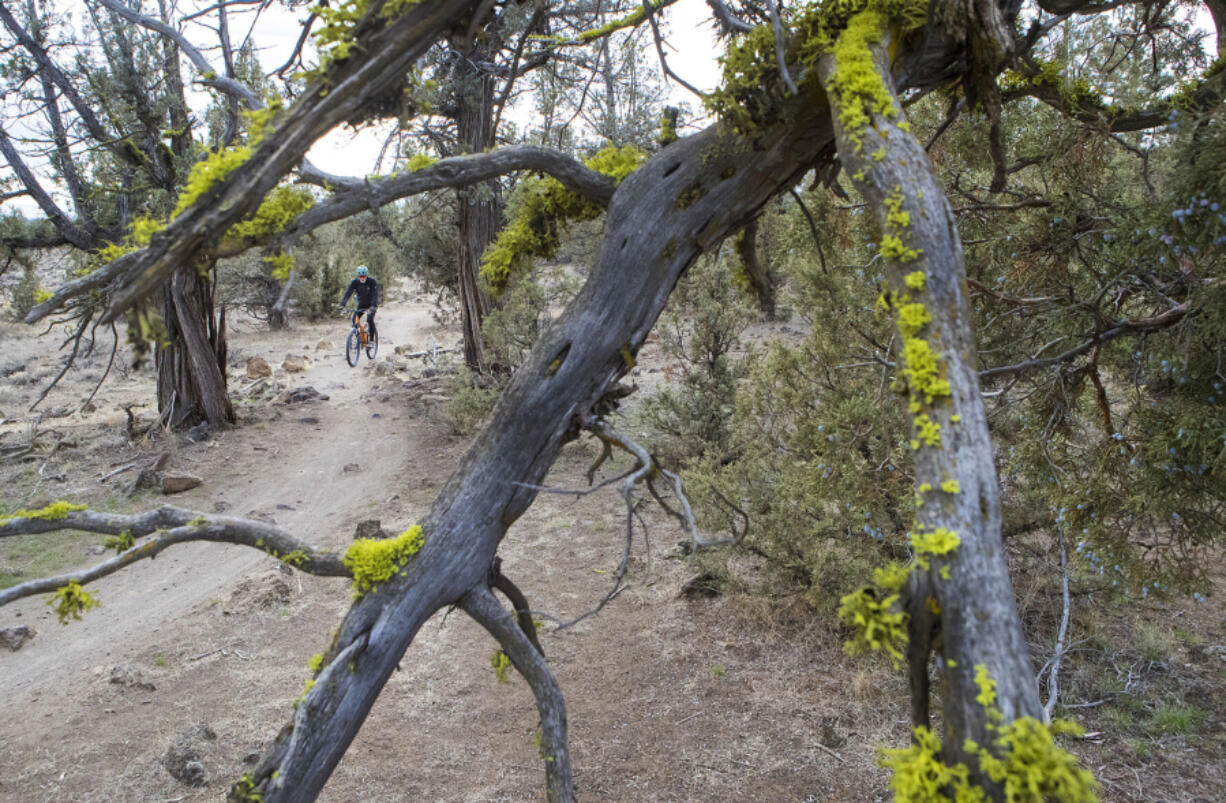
x=312, y=467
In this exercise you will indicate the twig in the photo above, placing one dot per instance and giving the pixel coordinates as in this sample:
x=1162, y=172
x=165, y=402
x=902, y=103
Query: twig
x=1053, y=681
x=119, y=470
x=779, y=45
x=826, y=749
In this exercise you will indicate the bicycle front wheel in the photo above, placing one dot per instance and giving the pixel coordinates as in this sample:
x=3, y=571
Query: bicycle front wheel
x=353, y=347
x=372, y=345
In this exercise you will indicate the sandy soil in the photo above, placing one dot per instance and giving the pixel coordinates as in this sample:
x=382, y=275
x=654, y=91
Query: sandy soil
x=669, y=698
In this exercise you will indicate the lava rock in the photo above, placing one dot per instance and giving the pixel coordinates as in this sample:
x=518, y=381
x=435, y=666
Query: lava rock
x=16, y=637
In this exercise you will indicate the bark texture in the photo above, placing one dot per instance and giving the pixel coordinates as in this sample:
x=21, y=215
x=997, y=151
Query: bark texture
x=686, y=199
x=192, y=362
x=977, y=624
x=479, y=207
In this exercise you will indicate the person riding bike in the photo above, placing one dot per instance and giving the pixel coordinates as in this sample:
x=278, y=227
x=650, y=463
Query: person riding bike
x=367, y=290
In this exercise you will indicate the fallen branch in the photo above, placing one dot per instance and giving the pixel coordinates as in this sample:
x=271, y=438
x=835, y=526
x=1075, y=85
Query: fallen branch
x=186, y=526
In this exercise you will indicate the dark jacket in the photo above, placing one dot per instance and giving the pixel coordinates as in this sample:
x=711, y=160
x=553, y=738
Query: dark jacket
x=368, y=293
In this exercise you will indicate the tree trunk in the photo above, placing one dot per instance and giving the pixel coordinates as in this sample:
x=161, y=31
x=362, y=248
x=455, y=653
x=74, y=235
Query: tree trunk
x=192, y=362
x=961, y=603
x=683, y=201
x=479, y=208
x=755, y=272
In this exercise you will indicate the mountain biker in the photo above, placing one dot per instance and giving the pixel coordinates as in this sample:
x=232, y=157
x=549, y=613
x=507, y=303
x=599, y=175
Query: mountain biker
x=367, y=290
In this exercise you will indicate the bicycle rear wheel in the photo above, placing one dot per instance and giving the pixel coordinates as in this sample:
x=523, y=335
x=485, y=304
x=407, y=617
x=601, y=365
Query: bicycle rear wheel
x=353, y=347
x=372, y=345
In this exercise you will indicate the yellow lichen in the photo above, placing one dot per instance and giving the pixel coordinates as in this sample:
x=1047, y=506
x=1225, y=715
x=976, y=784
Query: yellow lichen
x=912, y=318
x=70, y=601
x=915, y=280
x=52, y=512
x=936, y=543
x=373, y=561
x=927, y=431
x=922, y=372
x=892, y=247
x=876, y=622
x=500, y=663
x=545, y=207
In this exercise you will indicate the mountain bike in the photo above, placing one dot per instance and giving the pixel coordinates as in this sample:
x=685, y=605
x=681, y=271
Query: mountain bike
x=360, y=339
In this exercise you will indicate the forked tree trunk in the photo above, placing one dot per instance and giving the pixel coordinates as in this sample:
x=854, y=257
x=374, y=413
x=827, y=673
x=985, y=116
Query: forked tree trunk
x=962, y=606
x=192, y=363
x=685, y=200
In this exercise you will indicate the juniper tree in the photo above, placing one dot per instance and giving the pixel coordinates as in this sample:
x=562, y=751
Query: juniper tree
x=803, y=88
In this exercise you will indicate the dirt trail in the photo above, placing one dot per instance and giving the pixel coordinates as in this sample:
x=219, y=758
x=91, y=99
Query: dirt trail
x=668, y=697
x=309, y=467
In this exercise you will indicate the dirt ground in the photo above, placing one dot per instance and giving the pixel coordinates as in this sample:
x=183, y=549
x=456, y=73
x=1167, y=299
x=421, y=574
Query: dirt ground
x=200, y=652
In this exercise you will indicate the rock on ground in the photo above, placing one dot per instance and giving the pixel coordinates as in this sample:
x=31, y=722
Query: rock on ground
x=178, y=483
x=294, y=364
x=258, y=367
x=183, y=758
x=16, y=637
x=129, y=678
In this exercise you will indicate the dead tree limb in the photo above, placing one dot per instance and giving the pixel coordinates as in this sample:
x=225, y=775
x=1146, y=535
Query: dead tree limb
x=527, y=659
x=184, y=526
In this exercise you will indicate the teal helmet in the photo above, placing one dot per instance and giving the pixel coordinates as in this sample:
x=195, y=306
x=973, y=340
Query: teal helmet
x=362, y=271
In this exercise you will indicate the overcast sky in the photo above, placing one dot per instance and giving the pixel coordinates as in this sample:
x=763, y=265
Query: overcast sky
x=692, y=54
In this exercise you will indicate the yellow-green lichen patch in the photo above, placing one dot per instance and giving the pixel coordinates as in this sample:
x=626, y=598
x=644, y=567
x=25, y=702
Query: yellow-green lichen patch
x=912, y=318
x=119, y=542
x=951, y=487
x=919, y=775
x=876, y=622
x=316, y=663
x=1032, y=766
x=280, y=265
x=374, y=561
x=915, y=280
x=278, y=210
x=420, y=161
x=892, y=247
x=896, y=216
x=856, y=85
x=927, y=431
x=936, y=543
x=922, y=371
x=52, y=512
x=544, y=208
x=206, y=173
x=500, y=664
x=70, y=601
x=245, y=790
x=987, y=686
x=891, y=576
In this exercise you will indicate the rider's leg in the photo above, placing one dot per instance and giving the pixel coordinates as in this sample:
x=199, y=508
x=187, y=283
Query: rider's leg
x=370, y=319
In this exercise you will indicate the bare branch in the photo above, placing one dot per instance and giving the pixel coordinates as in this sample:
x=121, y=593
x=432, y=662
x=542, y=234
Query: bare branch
x=729, y=21
x=185, y=526
x=655, y=35
x=354, y=195
x=1053, y=675
x=225, y=84
x=780, y=45
x=1128, y=327
x=63, y=223
x=482, y=606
